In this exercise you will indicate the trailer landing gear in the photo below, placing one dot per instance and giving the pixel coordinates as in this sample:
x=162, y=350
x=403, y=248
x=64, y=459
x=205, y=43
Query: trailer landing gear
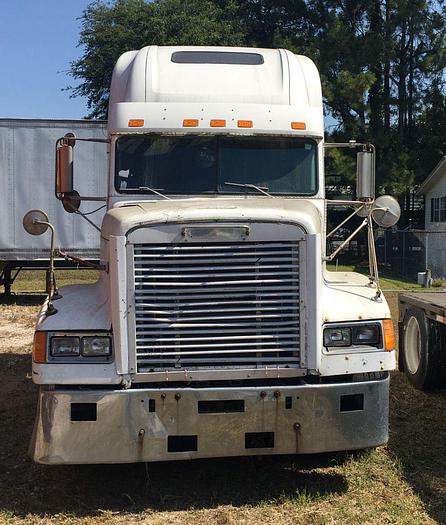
x=11, y=269
x=8, y=275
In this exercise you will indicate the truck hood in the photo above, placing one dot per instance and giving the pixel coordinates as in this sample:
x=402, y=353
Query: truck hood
x=130, y=215
x=349, y=296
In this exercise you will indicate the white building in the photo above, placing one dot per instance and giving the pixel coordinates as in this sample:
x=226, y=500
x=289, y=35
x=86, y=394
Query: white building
x=434, y=191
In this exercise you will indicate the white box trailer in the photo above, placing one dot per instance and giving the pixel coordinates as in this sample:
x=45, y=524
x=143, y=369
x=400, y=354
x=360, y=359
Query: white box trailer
x=27, y=156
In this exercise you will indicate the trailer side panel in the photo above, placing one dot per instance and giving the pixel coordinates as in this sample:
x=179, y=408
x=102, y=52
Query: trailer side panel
x=27, y=172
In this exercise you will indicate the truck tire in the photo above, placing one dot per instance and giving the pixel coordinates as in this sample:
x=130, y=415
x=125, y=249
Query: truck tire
x=423, y=350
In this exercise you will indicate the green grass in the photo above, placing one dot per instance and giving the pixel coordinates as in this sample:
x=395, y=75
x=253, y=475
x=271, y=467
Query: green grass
x=34, y=281
x=388, y=281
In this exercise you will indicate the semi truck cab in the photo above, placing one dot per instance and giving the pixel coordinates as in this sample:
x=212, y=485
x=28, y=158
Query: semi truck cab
x=215, y=328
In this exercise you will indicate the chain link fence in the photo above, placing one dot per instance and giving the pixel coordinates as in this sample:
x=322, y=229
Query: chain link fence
x=408, y=252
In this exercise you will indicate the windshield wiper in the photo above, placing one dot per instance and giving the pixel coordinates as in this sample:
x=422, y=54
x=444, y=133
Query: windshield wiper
x=261, y=189
x=145, y=188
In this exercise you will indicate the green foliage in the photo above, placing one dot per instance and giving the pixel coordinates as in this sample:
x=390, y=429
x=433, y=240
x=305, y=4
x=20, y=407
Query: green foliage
x=432, y=128
x=340, y=171
x=110, y=30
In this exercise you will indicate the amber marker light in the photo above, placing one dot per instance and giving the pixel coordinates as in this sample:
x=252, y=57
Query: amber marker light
x=218, y=123
x=136, y=123
x=244, y=123
x=190, y=123
x=298, y=125
x=389, y=335
x=39, y=351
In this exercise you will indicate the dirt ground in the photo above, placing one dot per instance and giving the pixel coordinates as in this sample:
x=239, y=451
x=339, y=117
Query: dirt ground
x=404, y=482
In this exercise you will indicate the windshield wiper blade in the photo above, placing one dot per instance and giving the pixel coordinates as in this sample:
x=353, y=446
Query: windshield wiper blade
x=145, y=188
x=261, y=189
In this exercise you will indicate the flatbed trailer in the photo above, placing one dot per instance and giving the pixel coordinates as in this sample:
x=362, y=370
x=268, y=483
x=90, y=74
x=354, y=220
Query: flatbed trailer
x=422, y=338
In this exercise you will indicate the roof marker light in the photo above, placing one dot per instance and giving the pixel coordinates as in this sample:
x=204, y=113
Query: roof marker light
x=136, y=123
x=190, y=123
x=298, y=125
x=218, y=123
x=244, y=123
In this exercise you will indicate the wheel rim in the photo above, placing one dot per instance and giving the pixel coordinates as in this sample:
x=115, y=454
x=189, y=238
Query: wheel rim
x=412, y=345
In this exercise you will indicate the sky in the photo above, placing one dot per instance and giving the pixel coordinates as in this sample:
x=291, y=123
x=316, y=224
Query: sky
x=38, y=41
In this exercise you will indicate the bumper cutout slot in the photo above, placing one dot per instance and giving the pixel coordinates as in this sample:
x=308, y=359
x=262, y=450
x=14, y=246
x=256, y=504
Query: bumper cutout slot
x=259, y=440
x=182, y=443
x=84, y=412
x=352, y=402
x=221, y=406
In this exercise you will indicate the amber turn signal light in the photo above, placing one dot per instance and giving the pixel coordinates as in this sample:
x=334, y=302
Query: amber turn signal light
x=39, y=351
x=389, y=335
x=298, y=125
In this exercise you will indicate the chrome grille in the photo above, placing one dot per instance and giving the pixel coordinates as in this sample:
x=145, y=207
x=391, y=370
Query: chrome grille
x=217, y=305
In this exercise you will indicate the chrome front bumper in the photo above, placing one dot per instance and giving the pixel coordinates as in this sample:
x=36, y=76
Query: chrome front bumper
x=125, y=426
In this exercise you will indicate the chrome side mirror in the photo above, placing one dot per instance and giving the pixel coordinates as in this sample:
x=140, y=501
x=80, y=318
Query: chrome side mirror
x=35, y=222
x=386, y=211
x=365, y=175
x=64, y=173
x=64, y=165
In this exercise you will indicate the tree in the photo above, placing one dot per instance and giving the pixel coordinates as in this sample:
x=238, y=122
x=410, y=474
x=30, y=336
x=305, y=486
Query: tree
x=110, y=30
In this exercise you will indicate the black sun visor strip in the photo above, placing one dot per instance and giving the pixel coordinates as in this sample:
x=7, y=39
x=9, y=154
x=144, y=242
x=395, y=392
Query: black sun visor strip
x=217, y=57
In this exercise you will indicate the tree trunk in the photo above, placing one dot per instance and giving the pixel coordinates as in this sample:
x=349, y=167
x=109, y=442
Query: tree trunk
x=402, y=91
x=386, y=94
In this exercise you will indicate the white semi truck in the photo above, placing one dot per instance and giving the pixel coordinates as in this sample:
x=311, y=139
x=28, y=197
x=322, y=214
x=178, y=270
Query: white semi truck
x=215, y=328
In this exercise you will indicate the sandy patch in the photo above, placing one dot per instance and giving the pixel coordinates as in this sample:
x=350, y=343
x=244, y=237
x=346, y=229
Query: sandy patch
x=17, y=327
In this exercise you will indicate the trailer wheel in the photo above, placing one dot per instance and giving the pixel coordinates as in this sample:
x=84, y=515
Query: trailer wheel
x=422, y=348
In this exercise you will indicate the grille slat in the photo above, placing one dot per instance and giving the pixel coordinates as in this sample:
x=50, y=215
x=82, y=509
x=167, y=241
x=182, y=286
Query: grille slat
x=212, y=360
x=219, y=317
x=269, y=325
x=202, y=352
x=219, y=293
x=150, y=273
x=166, y=268
x=212, y=344
x=237, y=331
x=237, y=337
x=201, y=310
x=182, y=284
x=217, y=305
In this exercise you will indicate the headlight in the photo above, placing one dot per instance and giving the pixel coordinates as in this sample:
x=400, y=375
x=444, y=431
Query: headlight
x=337, y=336
x=96, y=346
x=78, y=347
x=366, y=334
x=65, y=346
x=353, y=335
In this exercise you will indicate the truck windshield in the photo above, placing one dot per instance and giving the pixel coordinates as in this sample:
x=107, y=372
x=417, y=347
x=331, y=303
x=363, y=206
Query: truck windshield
x=203, y=164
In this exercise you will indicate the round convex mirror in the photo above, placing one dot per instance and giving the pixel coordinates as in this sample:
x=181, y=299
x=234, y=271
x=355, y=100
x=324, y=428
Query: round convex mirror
x=71, y=201
x=32, y=222
x=386, y=211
